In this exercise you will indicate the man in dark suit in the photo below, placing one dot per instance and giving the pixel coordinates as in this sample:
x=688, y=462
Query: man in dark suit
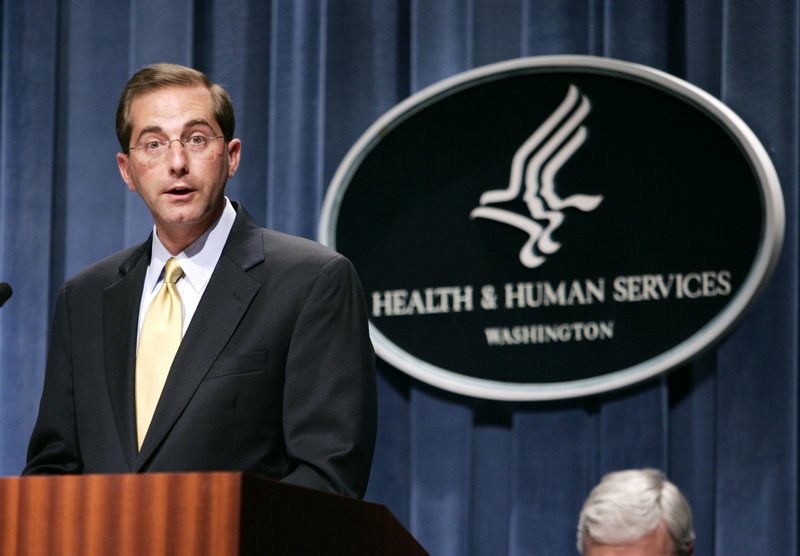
x=274, y=373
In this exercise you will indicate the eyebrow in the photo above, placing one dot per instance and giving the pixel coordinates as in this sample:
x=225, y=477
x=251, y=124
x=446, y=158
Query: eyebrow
x=186, y=125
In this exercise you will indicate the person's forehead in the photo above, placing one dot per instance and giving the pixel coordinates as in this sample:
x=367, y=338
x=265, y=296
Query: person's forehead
x=172, y=106
x=657, y=543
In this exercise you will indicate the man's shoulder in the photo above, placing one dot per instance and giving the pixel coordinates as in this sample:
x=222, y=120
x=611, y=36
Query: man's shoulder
x=276, y=247
x=286, y=246
x=300, y=260
x=109, y=269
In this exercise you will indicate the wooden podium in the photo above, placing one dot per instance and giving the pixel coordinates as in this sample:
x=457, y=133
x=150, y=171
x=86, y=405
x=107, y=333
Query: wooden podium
x=214, y=514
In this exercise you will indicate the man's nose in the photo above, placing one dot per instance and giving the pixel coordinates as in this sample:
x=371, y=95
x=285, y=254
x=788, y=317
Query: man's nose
x=177, y=158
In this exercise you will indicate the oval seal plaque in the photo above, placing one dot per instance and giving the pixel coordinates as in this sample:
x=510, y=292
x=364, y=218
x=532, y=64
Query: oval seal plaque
x=552, y=227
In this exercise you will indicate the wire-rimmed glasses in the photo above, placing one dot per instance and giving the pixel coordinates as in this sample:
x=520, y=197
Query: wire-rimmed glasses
x=198, y=146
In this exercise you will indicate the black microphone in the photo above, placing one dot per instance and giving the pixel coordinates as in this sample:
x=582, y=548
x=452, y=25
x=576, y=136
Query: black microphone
x=5, y=293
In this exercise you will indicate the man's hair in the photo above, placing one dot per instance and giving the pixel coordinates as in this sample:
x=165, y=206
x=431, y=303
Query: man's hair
x=158, y=76
x=627, y=505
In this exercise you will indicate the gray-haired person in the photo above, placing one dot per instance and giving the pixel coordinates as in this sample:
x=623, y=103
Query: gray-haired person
x=635, y=512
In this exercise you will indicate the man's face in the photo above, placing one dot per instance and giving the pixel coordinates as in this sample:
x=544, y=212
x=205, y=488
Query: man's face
x=185, y=194
x=657, y=543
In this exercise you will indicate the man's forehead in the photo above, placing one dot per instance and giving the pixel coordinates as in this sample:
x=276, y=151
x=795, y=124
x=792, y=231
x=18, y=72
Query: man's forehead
x=172, y=106
x=657, y=543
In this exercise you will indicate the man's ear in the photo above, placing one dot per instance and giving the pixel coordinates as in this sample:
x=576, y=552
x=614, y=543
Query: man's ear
x=123, y=163
x=234, y=155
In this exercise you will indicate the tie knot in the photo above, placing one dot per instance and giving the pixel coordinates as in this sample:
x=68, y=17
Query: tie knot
x=172, y=271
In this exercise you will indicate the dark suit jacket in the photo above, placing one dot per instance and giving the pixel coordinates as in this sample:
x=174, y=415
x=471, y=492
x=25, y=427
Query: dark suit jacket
x=275, y=374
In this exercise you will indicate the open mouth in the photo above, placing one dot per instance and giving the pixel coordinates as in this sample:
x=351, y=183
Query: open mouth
x=180, y=191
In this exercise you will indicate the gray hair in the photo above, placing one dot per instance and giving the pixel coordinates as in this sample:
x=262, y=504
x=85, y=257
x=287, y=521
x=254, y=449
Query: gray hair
x=627, y=505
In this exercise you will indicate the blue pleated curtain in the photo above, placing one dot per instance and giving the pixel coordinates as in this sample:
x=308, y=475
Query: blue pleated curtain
x=308, y=77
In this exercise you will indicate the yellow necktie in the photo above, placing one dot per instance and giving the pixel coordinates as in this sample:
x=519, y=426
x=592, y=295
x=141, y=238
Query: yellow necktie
x=159, y=339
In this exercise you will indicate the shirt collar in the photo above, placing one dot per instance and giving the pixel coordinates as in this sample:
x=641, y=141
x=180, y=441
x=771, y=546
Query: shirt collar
x=199, y=259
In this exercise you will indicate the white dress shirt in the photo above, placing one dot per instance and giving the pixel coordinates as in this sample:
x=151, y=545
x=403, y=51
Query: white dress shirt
x=197, y=262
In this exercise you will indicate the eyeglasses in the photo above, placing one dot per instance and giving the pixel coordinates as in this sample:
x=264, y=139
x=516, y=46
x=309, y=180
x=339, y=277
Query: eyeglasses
x=198, y=146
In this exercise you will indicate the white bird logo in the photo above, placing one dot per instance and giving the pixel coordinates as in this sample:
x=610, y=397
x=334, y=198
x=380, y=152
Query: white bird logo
x=537, y=162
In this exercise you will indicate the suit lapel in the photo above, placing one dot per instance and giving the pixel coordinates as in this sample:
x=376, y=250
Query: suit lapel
x=226, y=299
x=120, y=317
